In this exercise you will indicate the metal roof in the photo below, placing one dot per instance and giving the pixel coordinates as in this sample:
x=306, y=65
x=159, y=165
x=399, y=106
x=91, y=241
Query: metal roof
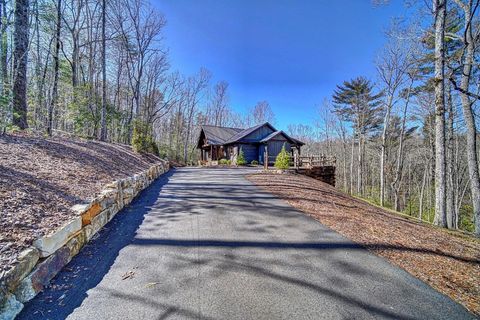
x=219, y=135
x=225, y=135
x=246, y=132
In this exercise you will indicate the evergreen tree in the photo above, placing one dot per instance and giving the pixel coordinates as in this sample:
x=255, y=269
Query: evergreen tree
x=355, y=102
x=282, y=161
x=241, y=158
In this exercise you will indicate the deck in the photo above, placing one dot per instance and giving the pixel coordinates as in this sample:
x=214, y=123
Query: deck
x=320, y=167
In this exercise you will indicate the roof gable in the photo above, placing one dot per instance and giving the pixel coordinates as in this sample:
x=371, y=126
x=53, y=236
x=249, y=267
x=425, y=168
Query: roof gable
x=249, y=131
x=286, y=136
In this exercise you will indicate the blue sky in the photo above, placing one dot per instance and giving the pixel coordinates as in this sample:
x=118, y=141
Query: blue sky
x=290, y=53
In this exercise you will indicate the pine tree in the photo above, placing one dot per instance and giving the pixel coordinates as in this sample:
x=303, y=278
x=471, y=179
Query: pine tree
x=355, y=102
x=282, y=161
x=241, y=158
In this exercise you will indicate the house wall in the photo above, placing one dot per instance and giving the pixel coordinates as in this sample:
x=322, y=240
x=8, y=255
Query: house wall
x=257, y=135
x=274, y=147
x=250, y=151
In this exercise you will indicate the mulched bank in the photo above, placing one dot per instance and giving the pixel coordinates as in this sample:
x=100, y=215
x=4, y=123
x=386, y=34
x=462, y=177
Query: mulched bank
x=40, y=179
x=447, y=261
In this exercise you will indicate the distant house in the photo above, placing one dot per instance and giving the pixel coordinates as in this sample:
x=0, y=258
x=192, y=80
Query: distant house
x=217, y=143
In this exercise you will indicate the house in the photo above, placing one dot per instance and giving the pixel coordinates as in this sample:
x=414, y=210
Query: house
x=217, y=143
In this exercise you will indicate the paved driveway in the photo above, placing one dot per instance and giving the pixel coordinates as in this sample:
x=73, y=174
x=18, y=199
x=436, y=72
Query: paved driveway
x=207, y=244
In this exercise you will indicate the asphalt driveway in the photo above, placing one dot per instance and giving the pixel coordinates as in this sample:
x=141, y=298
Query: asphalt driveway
x=207, y=244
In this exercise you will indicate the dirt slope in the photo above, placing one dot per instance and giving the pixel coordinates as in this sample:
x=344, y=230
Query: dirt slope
x=40, y=179
x=448, y=261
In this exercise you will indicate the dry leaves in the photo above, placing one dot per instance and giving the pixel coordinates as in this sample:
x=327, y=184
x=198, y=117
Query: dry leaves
x=40, y=179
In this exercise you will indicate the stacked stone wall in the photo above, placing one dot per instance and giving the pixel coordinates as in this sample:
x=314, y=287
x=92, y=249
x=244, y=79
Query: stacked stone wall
x=38, y=264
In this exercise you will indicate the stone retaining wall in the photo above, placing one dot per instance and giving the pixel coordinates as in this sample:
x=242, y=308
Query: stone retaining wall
x=39, y=263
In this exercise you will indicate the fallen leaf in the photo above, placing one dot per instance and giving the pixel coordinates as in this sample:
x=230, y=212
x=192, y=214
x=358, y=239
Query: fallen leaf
x=151, y=284
x=128, y=275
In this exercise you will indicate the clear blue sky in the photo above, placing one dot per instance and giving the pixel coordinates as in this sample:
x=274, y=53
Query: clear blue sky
x=291, y=53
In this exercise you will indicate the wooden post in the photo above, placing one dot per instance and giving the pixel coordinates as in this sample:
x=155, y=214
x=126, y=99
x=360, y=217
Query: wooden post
x=295, y=160
x=265, y=158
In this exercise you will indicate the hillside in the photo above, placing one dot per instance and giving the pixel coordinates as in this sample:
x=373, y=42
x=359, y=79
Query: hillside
x=448, y=261
x=40, y=179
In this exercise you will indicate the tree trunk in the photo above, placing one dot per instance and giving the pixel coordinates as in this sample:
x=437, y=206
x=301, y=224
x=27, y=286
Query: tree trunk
x=450, y=161
x=103, y=130
x=422, y=192
x=383, y=149
x=359, y=165
x=440, y=163
x=395, y=184
x=351, y=163
x=4, y=49
x=55, y=68
x=467, y=105
x=20, y=56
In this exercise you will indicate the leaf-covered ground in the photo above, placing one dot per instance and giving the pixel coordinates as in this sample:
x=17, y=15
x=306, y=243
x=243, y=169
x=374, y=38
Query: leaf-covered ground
x=447, y=261
x=40, y=179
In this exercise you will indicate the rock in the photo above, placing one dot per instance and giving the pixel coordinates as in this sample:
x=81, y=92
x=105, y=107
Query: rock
x=42, y=274
x=81, y=208
x=99, y=221
x=88, y=230
x=48, y=269
x=107, y=198
x=128, y=193
x=113, y=185
x=50, y=243
x=76, y=243
x=27, y=260
x=87, y=216
x=113, y=210
x=125, y=183
x=10, y=307
x=127, y=200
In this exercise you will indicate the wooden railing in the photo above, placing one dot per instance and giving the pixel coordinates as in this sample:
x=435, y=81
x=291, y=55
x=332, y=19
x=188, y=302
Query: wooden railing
x=314, y=161
x=304, y=161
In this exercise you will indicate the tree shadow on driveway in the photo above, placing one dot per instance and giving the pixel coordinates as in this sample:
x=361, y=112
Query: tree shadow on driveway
x=290, y=253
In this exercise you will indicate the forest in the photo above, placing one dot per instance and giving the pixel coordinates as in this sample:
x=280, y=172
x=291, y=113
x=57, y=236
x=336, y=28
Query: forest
x=406, y=139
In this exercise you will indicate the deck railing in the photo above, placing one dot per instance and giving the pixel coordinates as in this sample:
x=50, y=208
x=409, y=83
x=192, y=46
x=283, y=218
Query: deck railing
x=304, y=161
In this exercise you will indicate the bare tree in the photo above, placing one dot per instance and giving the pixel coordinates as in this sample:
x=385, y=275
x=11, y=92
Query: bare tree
x=261, y=112
x=194, y=88
x=392, y=67
x=218, y=111
x=138, y=27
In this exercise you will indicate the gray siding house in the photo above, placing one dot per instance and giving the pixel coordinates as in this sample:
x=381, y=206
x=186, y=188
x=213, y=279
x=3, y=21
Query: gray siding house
x=217, y=143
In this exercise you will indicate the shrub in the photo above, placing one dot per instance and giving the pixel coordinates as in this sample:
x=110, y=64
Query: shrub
x=142, y=139
x=223, y=161
x=241, y=158
x=254, y=163
x=282, y=161
x=229, y=162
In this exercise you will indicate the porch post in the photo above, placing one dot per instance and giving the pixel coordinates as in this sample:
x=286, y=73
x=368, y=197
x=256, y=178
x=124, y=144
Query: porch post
x=265, y=157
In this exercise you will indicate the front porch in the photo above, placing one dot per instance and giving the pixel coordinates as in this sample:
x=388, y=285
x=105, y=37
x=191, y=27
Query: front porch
x=211, y=154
